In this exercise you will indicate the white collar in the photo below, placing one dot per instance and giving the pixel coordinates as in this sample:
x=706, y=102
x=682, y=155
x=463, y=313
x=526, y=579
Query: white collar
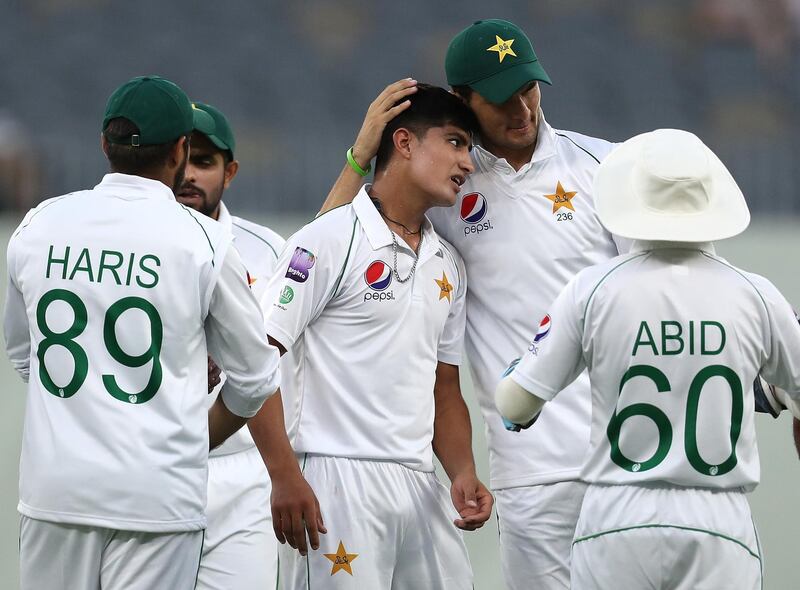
x=380, y=235
x=135, y=187
x=645, y=245
x=224, y=216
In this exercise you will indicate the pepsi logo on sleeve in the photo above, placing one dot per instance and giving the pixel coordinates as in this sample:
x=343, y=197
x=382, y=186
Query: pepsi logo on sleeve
x=544, y=331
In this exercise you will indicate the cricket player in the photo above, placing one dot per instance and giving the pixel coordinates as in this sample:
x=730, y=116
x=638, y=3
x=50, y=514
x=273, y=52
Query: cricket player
x=525, y=223
x=372, y=306
x=673, y=443
x=116, y=295
x=240, y=551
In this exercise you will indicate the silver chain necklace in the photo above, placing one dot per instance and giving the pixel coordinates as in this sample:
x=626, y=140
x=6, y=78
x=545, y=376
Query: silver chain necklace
x=413, y=266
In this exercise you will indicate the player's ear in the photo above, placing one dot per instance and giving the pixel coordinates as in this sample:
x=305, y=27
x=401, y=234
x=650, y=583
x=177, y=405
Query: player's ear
x=402, y=140
x=231, y=168
x=180, y=150
x=104, y=144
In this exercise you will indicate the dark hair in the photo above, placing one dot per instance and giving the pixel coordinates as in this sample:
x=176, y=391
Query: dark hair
x=129, y=159
x=463, y=91
x=431, y=106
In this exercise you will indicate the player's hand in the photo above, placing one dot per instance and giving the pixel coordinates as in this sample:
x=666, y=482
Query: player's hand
x=214, y=373
x=472, y=501
x=295, y=511
x=380, y=112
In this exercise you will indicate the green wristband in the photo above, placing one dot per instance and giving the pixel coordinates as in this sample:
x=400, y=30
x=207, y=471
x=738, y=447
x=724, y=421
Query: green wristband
x=354, y=165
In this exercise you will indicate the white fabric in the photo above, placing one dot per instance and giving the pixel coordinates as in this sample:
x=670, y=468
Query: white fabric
x=653, y=537
x=398, y=521
x=259, y=247
x=679, y=401
x=519, y=256
x=537, y=525
x=362, y=382
x=131, y=463
x=55, y=556
x=515, y=403
x=667, y=185
x=240, y=550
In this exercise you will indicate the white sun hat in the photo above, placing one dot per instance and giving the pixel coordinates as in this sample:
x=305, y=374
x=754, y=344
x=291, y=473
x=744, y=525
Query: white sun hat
x=667, y=185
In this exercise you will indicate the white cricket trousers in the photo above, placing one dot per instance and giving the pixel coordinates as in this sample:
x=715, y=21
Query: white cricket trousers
x=665, y=538
x=55, y=556
x=537, y=526
x=389, y=528
x=240, y=550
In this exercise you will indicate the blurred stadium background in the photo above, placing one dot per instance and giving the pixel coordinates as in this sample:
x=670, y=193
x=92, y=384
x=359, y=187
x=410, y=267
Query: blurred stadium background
x=296, y=77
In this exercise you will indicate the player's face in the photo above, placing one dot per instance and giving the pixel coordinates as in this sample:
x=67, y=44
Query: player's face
x=441, y=163
x=207, y=177
x=509, y=126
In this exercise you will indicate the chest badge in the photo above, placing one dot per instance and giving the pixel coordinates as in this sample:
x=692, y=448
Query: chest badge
x=445, y=288
x=562, y=198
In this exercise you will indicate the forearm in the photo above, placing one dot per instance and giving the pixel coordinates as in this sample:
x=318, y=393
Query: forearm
x=452, y=430
x=269, y=433
x=344, y=189
x=452, y=439
x=222, y=423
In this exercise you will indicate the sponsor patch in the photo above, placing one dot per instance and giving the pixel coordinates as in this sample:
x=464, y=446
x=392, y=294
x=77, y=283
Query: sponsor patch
x=300, y=265
x=473, y=208
x=378, y=276
x=286, y=295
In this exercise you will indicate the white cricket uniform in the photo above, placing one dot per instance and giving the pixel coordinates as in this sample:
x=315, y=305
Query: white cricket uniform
x=360, y=397
x=240, y=551
x=115, y=297
x=523, y=235
x=673, y=338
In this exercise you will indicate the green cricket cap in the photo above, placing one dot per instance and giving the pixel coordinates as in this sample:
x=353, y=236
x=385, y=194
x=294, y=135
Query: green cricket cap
x=158, y=107
x=212, y=123
x=494, y=58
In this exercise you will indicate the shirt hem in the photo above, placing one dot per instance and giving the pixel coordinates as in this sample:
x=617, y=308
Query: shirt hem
x=535, y=480
x=107, y=522
x=533, y=386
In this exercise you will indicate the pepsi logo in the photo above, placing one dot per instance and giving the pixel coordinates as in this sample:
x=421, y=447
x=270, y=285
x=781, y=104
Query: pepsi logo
x=544, y=329
x=473, y=207
x=378, y=275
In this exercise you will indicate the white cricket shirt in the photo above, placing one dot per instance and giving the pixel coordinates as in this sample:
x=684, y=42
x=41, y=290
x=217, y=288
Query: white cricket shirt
x=523, y=235
x=259, y=247
x=116, y=295
x=673, y=338
x=365, y=345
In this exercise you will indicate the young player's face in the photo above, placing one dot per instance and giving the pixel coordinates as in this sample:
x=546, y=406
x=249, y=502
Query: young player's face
x=206, y=177
x=512, y=125
x=441, y=163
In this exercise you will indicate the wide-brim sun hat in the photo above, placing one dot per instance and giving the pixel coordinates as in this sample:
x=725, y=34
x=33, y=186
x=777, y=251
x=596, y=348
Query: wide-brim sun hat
x=667, y=185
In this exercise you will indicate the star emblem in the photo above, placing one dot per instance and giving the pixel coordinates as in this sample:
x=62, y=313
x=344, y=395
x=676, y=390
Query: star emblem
x=445, y=288
x=341, y=560
x=562, y=198
x=503, y=48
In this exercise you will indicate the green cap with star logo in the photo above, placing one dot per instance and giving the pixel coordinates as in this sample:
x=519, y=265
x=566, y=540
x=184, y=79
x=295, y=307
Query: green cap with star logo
x=494, y=58
x=158, y=107
x=212, y=123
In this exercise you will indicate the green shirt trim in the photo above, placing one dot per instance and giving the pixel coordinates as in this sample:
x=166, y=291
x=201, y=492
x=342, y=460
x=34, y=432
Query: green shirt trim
x=580, y=147
x=255, y=235
x=666, y=526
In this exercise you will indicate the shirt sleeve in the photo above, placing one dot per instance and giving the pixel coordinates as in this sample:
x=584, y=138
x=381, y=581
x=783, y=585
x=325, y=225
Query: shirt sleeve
x=15, y=322
x=307, y=275
x=237, y=343
x=555, y=356
x=451, y=342
x=782, y=365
